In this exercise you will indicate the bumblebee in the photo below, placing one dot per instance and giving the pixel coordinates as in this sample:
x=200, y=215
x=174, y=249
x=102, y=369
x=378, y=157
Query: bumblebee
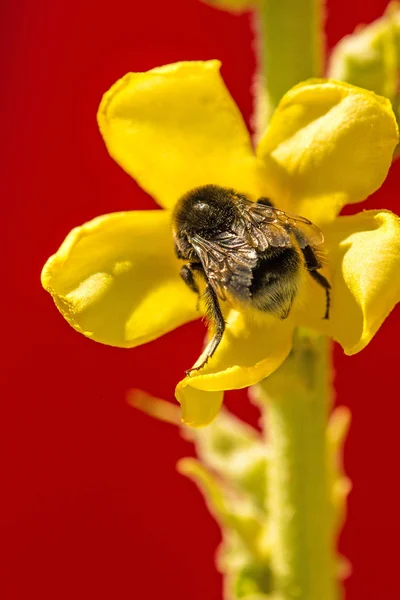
x=247, y=253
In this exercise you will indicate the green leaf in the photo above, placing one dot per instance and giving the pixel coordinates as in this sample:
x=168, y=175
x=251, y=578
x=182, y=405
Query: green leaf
x=254, y=578
x=236, y=452
x=232, y=511
x=234, y=6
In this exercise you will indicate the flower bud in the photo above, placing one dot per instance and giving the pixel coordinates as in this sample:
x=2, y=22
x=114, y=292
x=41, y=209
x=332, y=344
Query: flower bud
x=369, y=57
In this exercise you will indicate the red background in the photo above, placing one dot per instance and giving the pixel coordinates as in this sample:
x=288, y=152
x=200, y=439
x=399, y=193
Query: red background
x=91, y=505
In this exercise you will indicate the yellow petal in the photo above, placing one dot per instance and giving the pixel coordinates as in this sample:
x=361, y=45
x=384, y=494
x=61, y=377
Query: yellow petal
x=327, y=145
x=116, y=279
x=199, y=408
x=364, y=258
x=249, y=351
x=176, y=127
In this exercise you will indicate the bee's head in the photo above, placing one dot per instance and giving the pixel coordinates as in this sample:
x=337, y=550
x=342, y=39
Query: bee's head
x=206, y=211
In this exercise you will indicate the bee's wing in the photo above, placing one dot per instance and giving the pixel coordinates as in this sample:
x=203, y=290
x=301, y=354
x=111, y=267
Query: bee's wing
x=228, y=261
x=276, y=223
x=306, y=233
x=262, y=228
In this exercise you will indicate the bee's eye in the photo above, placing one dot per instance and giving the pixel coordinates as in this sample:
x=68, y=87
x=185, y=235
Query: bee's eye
x=202, y=206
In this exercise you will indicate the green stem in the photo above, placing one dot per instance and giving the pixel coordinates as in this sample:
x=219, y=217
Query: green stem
x=290, y=49
x=295, y=403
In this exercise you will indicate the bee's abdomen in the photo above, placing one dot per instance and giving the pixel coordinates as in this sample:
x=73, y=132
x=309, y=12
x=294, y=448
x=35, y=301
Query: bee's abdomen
x=275, y=280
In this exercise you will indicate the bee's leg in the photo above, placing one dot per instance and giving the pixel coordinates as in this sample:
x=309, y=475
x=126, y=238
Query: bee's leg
x=187, y=274
x=178, y=252
x=214, y=314
x=313, y=264
x=184, y=251
x=323, y=282
x=266, y=202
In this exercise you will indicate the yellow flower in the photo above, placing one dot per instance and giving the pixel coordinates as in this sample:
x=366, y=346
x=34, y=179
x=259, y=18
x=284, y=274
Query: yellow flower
x=116, y=278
